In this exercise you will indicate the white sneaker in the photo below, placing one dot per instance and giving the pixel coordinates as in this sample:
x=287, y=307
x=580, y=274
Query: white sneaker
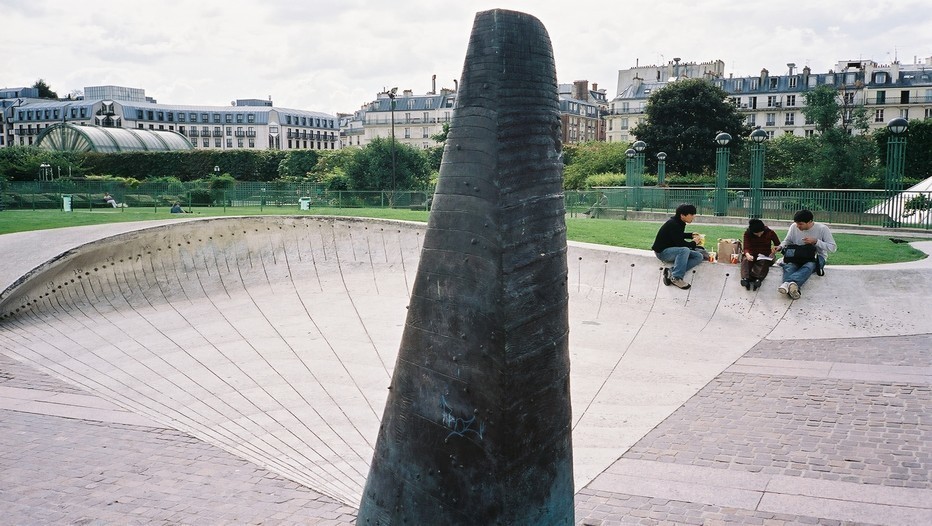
x=794, y=290
x=784, y=288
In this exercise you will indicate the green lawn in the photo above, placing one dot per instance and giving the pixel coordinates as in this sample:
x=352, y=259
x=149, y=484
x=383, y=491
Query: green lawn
x=853, y=249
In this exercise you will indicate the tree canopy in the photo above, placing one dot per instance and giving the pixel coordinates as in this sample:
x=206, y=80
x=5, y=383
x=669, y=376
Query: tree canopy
x=683, y=118
x=45, y=92
x=370, y=168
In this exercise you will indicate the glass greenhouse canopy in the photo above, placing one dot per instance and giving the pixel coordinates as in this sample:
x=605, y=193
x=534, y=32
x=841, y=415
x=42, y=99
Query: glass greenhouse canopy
x=74, y=138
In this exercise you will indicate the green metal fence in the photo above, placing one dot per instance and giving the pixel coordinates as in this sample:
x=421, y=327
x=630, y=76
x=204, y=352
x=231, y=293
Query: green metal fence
x=855, y=207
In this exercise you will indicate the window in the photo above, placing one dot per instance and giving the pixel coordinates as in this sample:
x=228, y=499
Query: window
x=793, y=81
x=809, y=133
x=205, y=117
x=849, y=98
x=624, y=124
x=251, y=118
x=193, y=117
x=788, y=132
x=771, y=119
x=880, y=77
x=216, y=117
x=928, y=95
x=769, y=134
x=928, y=113
x=424, y=132
x=205, y=142
x=809, y=120
x=904, y=113
x=790, y=119
x=754, y=84
x=739, y=85
x=429, y=103
x=239, y=118
x=160, y=115
x=181, y=117
x=791, y=100
x=150, y=115
x=878, y=115
x=752, y=103
x=171, y=116
x=239, y=143
x=228, y=118
x=849, y=78
x=139, y=115
x=252, y=143
x=218, y=142
x=287, y=119
x=830, y=80
x=410, y=104
x=752, y=119
x=774, y=82
x=904, y=97
x=229, y=143
x=813, y=81
x=426, y=117
x=772, y=101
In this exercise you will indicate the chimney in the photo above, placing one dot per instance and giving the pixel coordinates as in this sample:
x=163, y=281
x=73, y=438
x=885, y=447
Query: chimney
x=595, y=86
x=456, y=85
x=433, y=84
x=581, y=89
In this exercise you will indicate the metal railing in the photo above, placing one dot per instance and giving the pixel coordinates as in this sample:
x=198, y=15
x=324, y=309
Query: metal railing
x=855, y=207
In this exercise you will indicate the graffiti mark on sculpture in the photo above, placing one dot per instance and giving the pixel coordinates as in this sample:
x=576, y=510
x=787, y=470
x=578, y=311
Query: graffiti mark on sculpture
x=460, y=427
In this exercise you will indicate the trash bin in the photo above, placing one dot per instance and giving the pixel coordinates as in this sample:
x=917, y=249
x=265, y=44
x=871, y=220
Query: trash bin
x=305, y=203
x=66, y=202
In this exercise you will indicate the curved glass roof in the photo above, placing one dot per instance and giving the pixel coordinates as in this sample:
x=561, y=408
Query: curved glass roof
x=69, y=137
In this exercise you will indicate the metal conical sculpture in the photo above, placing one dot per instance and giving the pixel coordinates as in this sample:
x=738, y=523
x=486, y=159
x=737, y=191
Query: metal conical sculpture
x=476, y=428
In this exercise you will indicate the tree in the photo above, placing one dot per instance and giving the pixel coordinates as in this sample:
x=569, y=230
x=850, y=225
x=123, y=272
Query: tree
x=822, y=108
x=297, y=164
x=371, y=167
x=45, y=92
x=683, y=118
x=591, y=159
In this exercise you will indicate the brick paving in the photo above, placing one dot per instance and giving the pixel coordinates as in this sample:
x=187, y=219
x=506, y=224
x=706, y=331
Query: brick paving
x=862, y=432
x=57, y=470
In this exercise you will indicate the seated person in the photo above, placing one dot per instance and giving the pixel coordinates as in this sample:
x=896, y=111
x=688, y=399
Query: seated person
x=596, y=209
x=759, y=240
x=176, y=209
x=110, y=200
x=671, y=246
x=804, y=230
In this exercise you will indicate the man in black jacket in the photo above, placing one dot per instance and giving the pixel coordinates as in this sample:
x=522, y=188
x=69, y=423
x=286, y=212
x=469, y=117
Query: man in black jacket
x=671, y=246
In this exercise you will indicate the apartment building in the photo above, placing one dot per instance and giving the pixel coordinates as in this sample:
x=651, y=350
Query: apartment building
x=246, y=124
x=775, y=102
x=412, y=119
x=581, y=112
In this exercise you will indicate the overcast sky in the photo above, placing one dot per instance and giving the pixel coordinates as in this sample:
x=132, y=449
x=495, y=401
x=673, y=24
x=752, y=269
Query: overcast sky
x=335, y=56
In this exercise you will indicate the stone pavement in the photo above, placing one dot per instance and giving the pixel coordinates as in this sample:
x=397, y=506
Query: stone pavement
x=752, y=410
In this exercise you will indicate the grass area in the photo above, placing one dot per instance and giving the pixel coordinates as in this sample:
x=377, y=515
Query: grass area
x=853, y=249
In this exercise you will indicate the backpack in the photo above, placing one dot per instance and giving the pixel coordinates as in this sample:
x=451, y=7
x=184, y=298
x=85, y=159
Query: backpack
x=799, y=254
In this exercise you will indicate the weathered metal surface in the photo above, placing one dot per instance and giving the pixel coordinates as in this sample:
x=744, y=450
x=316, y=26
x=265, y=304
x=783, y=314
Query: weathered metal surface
x=476, y=428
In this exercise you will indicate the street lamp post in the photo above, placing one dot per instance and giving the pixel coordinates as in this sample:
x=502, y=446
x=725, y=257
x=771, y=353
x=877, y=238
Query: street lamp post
x=630, y=162
x=661, y=168
x=639, y=147
x=758, y=137
x=896, y=160
x=45, y=174
x=721, y=171
x=391, y=95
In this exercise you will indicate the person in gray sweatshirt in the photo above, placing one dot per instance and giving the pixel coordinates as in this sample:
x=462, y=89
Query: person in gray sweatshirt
x=804, y=231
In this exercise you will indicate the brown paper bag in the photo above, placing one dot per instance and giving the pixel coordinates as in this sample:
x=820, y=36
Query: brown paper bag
x=729, y=251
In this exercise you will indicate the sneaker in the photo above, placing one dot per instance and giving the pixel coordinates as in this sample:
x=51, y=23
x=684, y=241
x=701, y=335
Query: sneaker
x=784, y=288
x=820, y=271
x=666, y=276
x=746, y=284
x=794, y=290
x=678, y=282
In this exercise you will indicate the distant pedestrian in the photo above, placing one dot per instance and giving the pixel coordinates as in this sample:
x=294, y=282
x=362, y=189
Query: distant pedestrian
x=671, y=246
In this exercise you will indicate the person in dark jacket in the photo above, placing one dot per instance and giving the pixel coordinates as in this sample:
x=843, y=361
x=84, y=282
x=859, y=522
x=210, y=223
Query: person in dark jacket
x=676, y=246
x=760, y=245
